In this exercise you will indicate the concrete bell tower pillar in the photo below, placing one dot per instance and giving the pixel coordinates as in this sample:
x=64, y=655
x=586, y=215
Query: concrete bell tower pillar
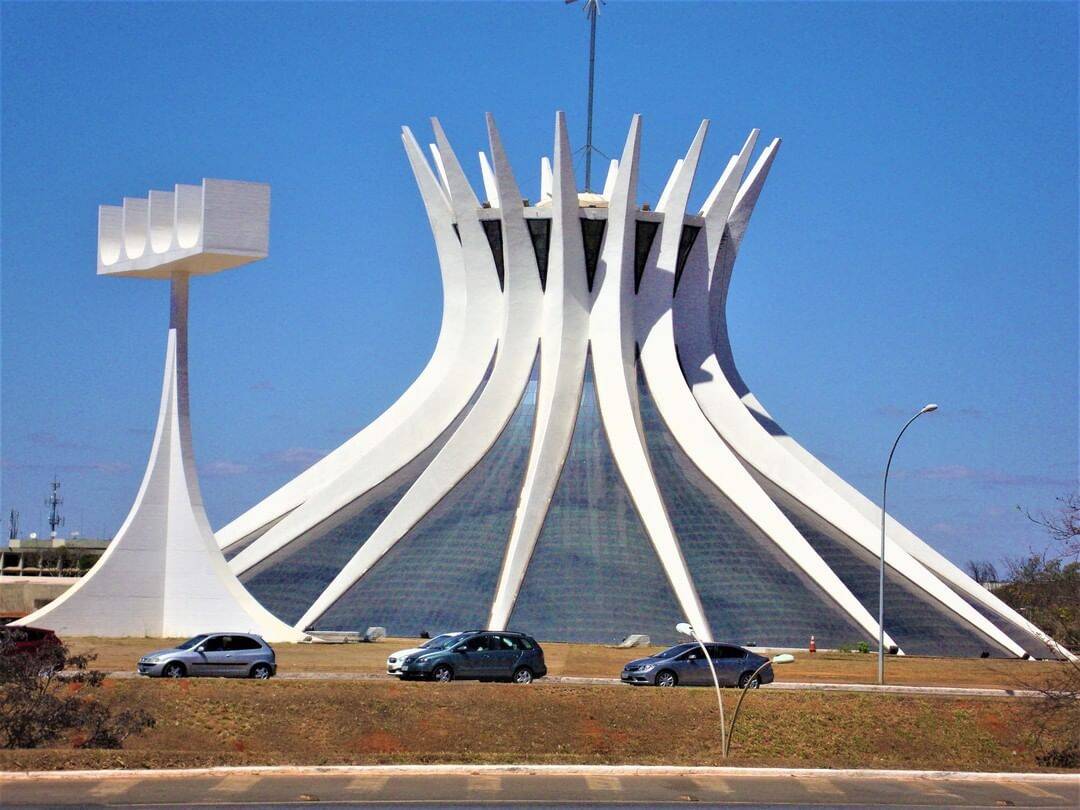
x=163, y=574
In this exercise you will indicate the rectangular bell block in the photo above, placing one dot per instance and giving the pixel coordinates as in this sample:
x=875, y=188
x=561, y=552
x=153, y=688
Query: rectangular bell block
x=193, y=229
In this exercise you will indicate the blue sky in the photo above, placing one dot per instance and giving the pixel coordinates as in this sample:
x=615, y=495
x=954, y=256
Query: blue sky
x=916, y=241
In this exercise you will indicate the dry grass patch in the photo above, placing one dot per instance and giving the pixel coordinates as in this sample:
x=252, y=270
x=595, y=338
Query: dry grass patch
x=222, y=722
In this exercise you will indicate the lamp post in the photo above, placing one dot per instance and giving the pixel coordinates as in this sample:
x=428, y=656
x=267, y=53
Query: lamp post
x=929, y=408
x=686, y=630
x=783, y=658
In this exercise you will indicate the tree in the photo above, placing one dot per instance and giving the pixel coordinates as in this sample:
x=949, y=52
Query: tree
x=43, y=695
x=1045, y=587
x=982, y=571
x=1064, y=527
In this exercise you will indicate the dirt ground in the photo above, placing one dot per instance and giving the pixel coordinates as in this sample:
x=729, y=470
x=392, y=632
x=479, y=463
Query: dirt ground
x=221, y=722
x=606, y=662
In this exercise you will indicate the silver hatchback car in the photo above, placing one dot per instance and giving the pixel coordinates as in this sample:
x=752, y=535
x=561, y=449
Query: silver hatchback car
x=224, y=655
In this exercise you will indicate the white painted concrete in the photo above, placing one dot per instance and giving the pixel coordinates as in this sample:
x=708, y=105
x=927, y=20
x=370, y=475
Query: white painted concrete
x=163, y=574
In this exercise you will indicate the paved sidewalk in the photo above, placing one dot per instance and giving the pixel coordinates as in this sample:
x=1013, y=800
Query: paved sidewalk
x=553, y=784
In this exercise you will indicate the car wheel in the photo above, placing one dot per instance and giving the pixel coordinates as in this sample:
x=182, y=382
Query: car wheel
x=523, y=675
x=261, y=672
x=666, y=678
x=442, y=673
x=748, y=679
x=174, y=669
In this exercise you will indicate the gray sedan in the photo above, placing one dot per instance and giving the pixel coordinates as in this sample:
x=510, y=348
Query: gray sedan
x=685, y=664
x=226, y=655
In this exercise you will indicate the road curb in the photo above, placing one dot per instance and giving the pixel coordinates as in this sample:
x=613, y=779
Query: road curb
x=779, y=686
x=548, y=770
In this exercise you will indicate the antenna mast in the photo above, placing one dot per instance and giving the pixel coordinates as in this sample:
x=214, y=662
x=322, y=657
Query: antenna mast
x=13, y=525
x=592, y=9
x=53, y=502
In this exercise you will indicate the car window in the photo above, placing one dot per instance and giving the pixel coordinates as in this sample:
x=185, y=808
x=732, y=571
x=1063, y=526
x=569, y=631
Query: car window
x=474, y=644
x=194, y=641
x=672, y=652
x=507, y=643
x=731, y=652
x=439, y=642
x=214, y=644
x=244, y=643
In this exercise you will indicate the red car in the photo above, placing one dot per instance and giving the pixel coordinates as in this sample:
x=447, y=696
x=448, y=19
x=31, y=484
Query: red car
x=27, y=640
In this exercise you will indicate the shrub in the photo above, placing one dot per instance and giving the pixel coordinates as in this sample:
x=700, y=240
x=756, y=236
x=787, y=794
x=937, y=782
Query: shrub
x=43, y=695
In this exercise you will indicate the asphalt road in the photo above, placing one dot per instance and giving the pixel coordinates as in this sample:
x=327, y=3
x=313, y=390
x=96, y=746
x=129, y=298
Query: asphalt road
x=477, y=788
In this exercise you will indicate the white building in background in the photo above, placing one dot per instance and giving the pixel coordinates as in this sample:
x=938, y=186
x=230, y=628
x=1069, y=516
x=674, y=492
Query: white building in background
x=163, y=574
x=580, y=457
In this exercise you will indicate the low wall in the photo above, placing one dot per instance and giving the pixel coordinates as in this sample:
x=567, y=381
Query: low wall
x=22, y=595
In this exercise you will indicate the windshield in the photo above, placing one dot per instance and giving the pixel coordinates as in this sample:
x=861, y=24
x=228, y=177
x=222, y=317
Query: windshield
x=439, y=642
x=191, y=642
x=671, y=652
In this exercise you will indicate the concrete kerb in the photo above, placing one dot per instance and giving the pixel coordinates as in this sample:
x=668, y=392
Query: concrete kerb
x=545, y=770
x=575, y=680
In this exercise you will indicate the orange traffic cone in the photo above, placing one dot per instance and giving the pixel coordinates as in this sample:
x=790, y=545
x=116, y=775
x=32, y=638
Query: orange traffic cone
x=813, y=645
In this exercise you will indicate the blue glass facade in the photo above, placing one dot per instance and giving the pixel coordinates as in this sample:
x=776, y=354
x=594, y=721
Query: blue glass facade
x=750, y=590
x=442, y=574
x=594, y=576
x=916, y=622
x=1032, y=645
x=291, y=579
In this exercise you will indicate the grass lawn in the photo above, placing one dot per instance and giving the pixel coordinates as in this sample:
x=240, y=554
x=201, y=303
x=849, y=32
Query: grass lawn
x=228, y=722
x=606, y=662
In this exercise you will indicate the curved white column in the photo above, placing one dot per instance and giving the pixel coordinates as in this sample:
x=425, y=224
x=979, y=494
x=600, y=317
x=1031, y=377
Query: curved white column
x=896, y=533
x=563, y=350
x=726, y=411
x=676, y=404
x=470, y=323
x=472, y=318
x=163, y=574
x=914, y=546
x=611, y=333
x=483, y=425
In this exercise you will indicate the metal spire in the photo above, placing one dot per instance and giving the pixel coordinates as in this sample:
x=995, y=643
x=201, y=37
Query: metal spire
x=592, y=9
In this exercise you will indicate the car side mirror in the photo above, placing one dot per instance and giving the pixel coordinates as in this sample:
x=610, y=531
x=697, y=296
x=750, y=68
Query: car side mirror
x=200, y=649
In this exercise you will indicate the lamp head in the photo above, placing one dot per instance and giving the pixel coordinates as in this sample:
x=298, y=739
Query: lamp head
x=929, y=408
x=783, y=658
x=685, y=629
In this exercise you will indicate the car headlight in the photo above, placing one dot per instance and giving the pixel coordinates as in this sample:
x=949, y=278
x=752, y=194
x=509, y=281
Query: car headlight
x=647, y=668
x=410, y=660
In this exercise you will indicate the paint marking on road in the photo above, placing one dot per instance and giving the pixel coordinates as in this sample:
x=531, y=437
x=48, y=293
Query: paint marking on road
x=111, y=787
x=1031, y=790
x=484, y=785
x=239, y=783
x=367, y=784
x=712, y=784
x=928, y=789
x=821, y=787
x=606, y=783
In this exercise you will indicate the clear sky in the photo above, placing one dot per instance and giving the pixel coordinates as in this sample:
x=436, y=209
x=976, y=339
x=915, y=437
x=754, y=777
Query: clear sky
x=916, y=241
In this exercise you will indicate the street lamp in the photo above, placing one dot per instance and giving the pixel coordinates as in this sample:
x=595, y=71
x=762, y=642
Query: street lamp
x=686, y=630
x=783, y=658
x=930, y=408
